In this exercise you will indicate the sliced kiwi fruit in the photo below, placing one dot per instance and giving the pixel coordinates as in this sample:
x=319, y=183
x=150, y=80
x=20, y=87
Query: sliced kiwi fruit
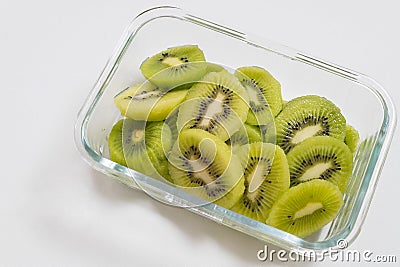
x=245, y=135
x=141, y=146
x=203, y=165
x=266, y=177
x=352, y=138
x=148, y=102
x=217, y=104
x=306, y=208
x=320, y=157
x=264, y=92
x=175, y=66
x=308, y=116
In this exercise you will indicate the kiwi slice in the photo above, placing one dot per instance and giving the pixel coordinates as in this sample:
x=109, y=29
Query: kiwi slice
x=305, y=208
x=352, y=138
x=308, y=116
x=216, y=104
x=266, y=177
x=175, y=66
x=213, y=67
x=141, y=146
x=264, y=92
x=320, y=157
x=203, y=165
x=245, y=135
x=148, y=102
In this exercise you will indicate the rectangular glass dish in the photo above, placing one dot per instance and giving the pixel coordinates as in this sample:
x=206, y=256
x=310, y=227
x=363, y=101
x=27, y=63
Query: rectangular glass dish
x=299, y=74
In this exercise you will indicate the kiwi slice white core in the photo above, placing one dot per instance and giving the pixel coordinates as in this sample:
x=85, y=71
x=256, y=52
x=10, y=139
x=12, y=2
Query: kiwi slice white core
x=315, y=171
x=145, y=95
x=308, y=209
x=172, y=61
x=137, y=135
x=255, y=96
x=255, y=180
x=215, y=108
x=305, y=133
x=205, y=176
x=198, y=167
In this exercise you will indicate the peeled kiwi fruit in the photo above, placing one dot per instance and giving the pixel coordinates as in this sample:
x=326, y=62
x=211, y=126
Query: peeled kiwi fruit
x=175, y=66
x=264, y=92
x=320, y=157
x=305, y=208
x=216, y=104
x=266, y=177
x=148, y=102
x=141, y=146
x=203, y=165
x=308, y=116
x=232, y=140
x=352, y=138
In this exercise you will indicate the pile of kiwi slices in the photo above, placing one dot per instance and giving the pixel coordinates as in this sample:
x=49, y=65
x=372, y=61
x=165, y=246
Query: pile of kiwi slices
x=228, y=137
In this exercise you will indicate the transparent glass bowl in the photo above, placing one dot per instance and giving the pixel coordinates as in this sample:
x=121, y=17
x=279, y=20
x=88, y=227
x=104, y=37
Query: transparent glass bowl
x=299, y=74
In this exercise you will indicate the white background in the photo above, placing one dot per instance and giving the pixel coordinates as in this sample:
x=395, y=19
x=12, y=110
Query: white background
x=56, y=210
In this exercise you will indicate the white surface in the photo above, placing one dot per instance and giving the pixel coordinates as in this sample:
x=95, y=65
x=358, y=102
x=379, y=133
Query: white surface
x=56, y=210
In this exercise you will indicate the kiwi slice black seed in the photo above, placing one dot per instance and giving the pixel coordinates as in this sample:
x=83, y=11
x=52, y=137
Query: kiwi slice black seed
x=141, y=146
x=320, y=157
x=352, y=138
x=175, y=66
x=264, y=92
x=306, y=208
x=148, y=102
x=266, y=177
x=308, y=116
x=216, y=104
x=202, y=164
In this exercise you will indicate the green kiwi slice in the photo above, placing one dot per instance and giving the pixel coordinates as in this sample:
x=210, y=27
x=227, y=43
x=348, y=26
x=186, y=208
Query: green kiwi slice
x=245, y=135
x=264, y=92
x=213, y=67
x=308, y=116
x=203, y=165
x=352, y=138
x=217, y=104
x=266, y=177
x=320, y=157
x=148, y=102
x=175, y=66
x=306, y=208
x=141, y=146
